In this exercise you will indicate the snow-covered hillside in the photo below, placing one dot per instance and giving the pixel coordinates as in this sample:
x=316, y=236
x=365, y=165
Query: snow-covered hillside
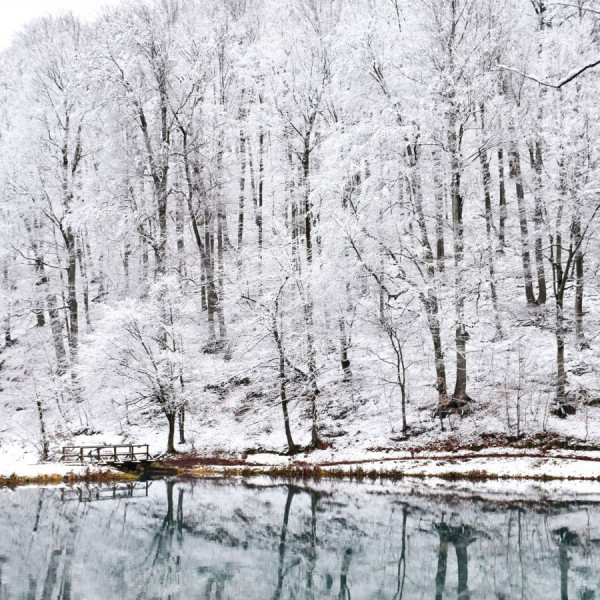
x=231, y=226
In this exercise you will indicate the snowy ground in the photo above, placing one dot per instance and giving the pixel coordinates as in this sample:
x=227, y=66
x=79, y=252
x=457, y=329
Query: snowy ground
x=234, y=410
x=496, y=462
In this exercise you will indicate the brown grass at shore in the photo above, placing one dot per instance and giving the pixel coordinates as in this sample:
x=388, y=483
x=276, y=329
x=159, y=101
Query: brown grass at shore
x=70, y=478
x=316, y=473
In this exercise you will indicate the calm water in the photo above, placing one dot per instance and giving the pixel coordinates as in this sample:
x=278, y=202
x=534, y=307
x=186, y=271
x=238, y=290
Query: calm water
x=237, y=540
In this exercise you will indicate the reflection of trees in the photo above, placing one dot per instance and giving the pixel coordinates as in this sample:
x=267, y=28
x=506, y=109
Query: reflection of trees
x=216, y=583
x=402, y=560
x=292, y=490
x=310, y=542
x=3, y=591
x=312, y=547
x=300, y=542
x=344, y=591
x=51, y=574
x=166, y=547
x=565, y=539
x=442, y=563
x=460, y=537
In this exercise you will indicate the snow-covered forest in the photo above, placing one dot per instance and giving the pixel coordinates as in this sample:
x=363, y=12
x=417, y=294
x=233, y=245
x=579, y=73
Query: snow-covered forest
x=236, y=224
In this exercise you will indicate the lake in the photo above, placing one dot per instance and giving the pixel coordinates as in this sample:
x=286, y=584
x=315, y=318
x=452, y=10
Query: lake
x=269, y=540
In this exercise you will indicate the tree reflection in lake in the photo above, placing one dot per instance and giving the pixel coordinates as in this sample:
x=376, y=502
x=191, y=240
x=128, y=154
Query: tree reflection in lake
x=219, y=540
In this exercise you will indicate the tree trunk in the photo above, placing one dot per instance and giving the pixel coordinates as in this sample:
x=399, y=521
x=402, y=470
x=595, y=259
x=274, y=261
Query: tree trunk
x=205, y=242
x=538, y=217
x=179, y=233
x=181, y=414
x=344, y=346
x=257, y=198
x=277, y=334
x=6, y=288
x=171, y=417
x=72, y=293
x=429, y=299
x=577, y=242
x=307, y=301
x=259, y=207
x=485, y=171
x=126, y=270
x=242, y=193
x=561, y=377
x=56, y=325
x=461, y=335
x=560, y=276
x=83, y=271
x=515, y=173
x=502, y=195
x=439, y=213
x=44, y=437
x=431, y=305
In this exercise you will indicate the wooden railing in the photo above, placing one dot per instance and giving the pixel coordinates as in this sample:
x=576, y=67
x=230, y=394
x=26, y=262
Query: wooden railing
x=106, y=454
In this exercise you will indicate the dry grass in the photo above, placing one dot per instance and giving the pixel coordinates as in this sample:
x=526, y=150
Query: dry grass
x=316, y=473
x=15, y=480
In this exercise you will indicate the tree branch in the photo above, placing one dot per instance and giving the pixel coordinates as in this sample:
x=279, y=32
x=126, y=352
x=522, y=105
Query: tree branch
x=556, y=86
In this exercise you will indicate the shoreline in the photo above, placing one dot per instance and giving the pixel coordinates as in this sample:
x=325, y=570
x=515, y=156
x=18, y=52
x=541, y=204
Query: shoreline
x=490, y=464
x=70, y=478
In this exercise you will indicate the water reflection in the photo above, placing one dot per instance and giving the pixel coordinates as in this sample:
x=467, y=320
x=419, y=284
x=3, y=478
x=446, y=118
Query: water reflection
x=229, y=540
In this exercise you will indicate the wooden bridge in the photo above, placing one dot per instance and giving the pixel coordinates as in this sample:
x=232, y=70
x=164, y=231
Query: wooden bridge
x=112, y=455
